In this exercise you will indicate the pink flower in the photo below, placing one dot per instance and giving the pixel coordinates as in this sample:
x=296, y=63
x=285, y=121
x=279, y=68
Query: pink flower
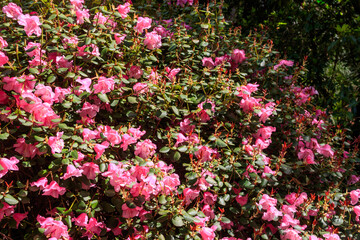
x=53, y=229
x=136, y=132
x=71, y=41
x=77, y=4
x=170, y=183
x=209, y=198
x=325, y=150
x=145, y=149
x=357, y=212
x=152, y=40
x=267, y=201
x=126, y=141
x=284, y=62
x=119, y=38
x=190, y=195
x=54, y=190
x=100, y=148
x=331, y=236
x=56, y=143
x=3, y=43
x=249, y=104
x=6, y=210
x=208, y=62
x=72, y=171
x=205, y=153
x=242, y=200
x=354, y=195
x=41, y=183
x=307, y=155
x=31, y=24
x=135, y=72
x=124, y=10
x=93, y=227
x=143, y=23
x=89, y=110
x=183, y=2
x=208, y=211
x=291, y=234
x=81, y=15
x=8, y=164
x=3, y=59
x=130, y=212
x=12, y=10
x=238, y=56
x=265, y=132
x=172, y=73
x=61, y=62
x=104, y=85
x=180, y=139
x=271, y=214
x=81, y=220
x=140, y=88
x=24, y=149
x=18, y=217
x=208, y=233
x=185, y=126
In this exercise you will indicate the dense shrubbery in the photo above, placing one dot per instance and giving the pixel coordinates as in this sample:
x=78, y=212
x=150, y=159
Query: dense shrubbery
x=121, y=123
x=327, y=33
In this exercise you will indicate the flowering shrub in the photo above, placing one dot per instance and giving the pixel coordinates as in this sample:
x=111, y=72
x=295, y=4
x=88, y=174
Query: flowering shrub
x=116, y=124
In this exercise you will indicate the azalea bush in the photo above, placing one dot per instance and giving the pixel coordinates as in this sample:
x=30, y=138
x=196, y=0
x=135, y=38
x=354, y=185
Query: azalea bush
x=161, y=121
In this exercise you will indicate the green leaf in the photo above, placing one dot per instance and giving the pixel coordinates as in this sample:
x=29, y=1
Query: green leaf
x=4, y=136
x=10, y=199
x=177, y=156
x=33, y=71
x=175, y=110
x=164, y=149
x=177, y=221
x=132, y=99
x=51, y=79
x=204, y=25
x=220, y=143
x=103, y=98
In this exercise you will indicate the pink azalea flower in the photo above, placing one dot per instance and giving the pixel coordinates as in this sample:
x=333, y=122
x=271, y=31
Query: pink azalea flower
x=61, y=62
x=136, y=132
x=119, y=38
x=291, y=234
x=56, y=143
x=13, y=84
x=242, y=200
x=100, y=148
x=209, y=198
x=93, y=227
x=85, y=84
x=53, y=229
x=72, y=171
x=8, y=164
x=89, y=110
x=124, y=10
x=205, y=153
x=104, y=85
x=81, y=220
x=45, y=92
x=77, y=4
x=152, y=40
x=284, y=62
x=208, y=62
x=271, y=214
x=354, y=195
x=3, y=43
x=307, y=155
x=18, y=217
x=126, y=141
x=325, y=150
x=208, y=211
x=3, y=59
x=190, y=195
x=143, y=23
x=170, y=183
x=130, y=212
x=81, y=15
x=71, y=41
x=172, y=72
x=265, y=132
x=249, y=104
x=266, y=201
x=12, y=11
x=186, y=127
x=24, y=149
x=208, y=233
x=140, y=88
x=145, y=149
x=41, y=183
x=31, y=24
x=6, y=210
x=331, y=236
x=135, y=72
x=4, y=98
x=54, y=190
x=238, y=56
x=90, y=170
